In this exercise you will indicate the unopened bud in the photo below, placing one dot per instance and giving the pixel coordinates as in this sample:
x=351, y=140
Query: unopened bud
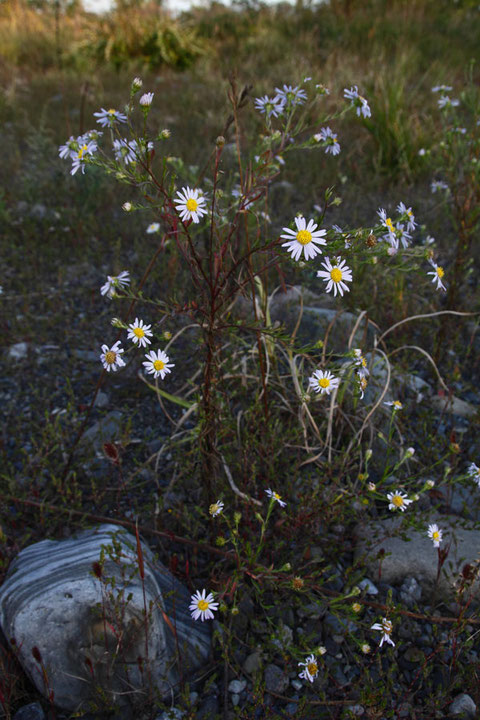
x=430, y=484
x=368, y=454
x=136, y=84
x=371, y=240
x=371, y=486
x=127, y=206
x=165, y=134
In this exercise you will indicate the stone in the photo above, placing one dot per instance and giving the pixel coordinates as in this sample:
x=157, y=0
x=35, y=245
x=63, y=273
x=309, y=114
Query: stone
x=89, y=632
x=237, y=686
x=275, y=679
x=209, y=709
x=463, y=705
x=416, y=555
x=453, y=405
x=17, y=352
x=410, y=592
x=101, y=400
x=368, y=586
x=33, y=711
x=104, y=430
x=252, y=663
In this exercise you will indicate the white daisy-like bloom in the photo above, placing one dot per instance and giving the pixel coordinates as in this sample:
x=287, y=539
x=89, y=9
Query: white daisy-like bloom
x=445, y=101
x=275, y=496
x=358, y=102
x=68, y=150
x=125, y=150
x=327, y=136
x=387, y=223
x=146, y=99
x=435, y=534
x=403, y=210
x=362, y=384
x=361, y=362
x=153, y=228
x=112, y=357
x=422, y=152
x=158, y=363
x=202, y=605
x=140, y=333
x=310, y=670
x=306, y=238
x=190, y=204
x=437, y=274
x=398, y=500
x=474, y=473
x=402, y=235
x=269, y=106
x=322, y=381
x=395, y=404
x=290, y=96
x=114, y=283
x=86, y=148
x=108, y=118
x=336, y=275
x=438, y=185
x=386, y=628
x=216, y=508
x=442, y=88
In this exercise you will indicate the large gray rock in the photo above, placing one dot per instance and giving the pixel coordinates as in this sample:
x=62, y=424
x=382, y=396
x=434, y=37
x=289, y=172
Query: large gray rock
x=91, y=632
x=414, y=554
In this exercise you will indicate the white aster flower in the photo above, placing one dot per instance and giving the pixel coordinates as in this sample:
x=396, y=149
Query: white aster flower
x=146, y=99
x=310, y=666
x=474, y=473
x=442, y=88
x=158, y=363
x=307, y=238
x=290, y=96
x=68, y=150
x=395, y=404
x=435, y=534
x=361, y=362
x=398, y=500
x=422, y=152
x=86, y=148
x=216, y=508
x=358, y=102
x=112, y=357
x=389, y=227
x=125, y=150
x=108, y=118
x=322, y=381
x=127, y=206
x=275, y=496
x=336, y=276
x=153, y=228
x=437, y=185
x=445, y=101
x=201, y=605
x=190, y=204
x=386, y=628
x=114, y=283
x=403, y=210
x=269, y=106
x=437, y=275
x=362, y=383
x=327, y=136
x=140, y=333
x=137, y=84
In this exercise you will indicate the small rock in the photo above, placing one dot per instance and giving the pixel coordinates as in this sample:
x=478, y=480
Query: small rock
x=463, y=704
x=105, y=430
x=208, y=709
x=410, y=592
x=237, y=686
x=101, y=400
x=235, y=699
x=296, y=684
x=252, y=662
x=368, y=586
x=172, y=714
x=275, y=679
x=357, y=710
x=453, y=405
x=33, y=711
x=19, y=351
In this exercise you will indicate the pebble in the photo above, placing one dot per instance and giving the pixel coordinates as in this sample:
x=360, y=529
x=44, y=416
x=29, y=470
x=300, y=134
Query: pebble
x=368, y=586
x=237, y=686
x=463, y=704
x=33, y=711
x=275, y=679
x=16, y=352
x=252, y=663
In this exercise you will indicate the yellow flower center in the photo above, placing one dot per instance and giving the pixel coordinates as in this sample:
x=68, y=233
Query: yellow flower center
x=202, y=605
x=214, y=509
x=112, y=111
x=409, y=213
x=389, y=225
x=158, y=364
x=312, y=668
x=397, y=500
x=304, y=237
x=397, y=404
x=277, y=496
x=440, y=271
x=81, y=151
x=191, y=204
x=336, y=275
x=436, y=535
x=363, y=383
x=139, y=332
x=387, y=627
x=110, y=357
x=324, y=382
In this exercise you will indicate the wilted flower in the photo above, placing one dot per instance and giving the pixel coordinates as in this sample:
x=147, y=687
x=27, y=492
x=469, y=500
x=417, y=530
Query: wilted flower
x=358, y=102
x=310, y=671
x=216, y=508
x=386, y=627
x=275, y=496
x=112, y=357
x=114, y=283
